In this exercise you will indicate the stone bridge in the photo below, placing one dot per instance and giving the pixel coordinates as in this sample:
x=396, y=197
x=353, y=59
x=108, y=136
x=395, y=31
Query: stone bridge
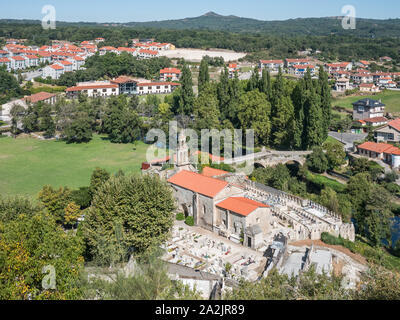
x=271, y=158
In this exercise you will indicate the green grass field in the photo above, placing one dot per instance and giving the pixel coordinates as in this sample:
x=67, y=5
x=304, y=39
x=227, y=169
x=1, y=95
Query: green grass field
x=390, y=98
x=26, y=164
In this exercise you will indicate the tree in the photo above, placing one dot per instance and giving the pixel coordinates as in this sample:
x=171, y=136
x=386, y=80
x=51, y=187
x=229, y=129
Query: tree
x=204, y=75
x=79, y=130
x=325, y=94
x=185, y=96
x=206, y=109
x=254, y=112
x=123, y=125
x=55, y=201
x=72, y=213
x=141, y=208
x=149, y=281
x=329, y=199
x=335, y=154
x=31, y=244
x=317, y=161
x=46, y=122
x=98, y=178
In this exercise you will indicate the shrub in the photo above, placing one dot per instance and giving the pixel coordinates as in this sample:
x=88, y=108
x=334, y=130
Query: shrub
x=180, y=216
x=189, y=221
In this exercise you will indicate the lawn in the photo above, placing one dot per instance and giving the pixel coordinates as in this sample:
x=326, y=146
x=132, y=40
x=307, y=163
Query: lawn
x=27, y=164
x=390, y=98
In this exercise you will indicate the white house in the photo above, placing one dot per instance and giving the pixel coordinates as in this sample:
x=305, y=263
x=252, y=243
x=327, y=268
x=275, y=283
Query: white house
x=342, y=85
x=31, y=60
x=147, y=54
x=53, y=71
x=94, y=89
x=156, y=87
x=18, y=63
x=6, y=109
x=300, y=70
x=271, y=65
x=170, y=74
x=77, y=62
x=67, y=65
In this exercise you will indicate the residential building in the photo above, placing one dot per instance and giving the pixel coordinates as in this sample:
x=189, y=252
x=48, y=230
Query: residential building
x=156, y=87
x=362, y=78
x=369, y=87
x=67, y=65
x=380, y=151
x=45, y=97
x=170, y=74
x=94, y=89
x=148, y=54
x=126, y=85
x=18, y=63
x=389, y=133
x=374, y=122
x=300, y=70
x=53, y=71
x=31, y=61
x=271, y=65
x=342, y=85
x=340, y=66
x=368, y=108
x=293, y=62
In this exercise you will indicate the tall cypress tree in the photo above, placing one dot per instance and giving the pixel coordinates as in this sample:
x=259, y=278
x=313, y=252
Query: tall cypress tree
x=223, y=94
x=186, y=96
x=265, y=84
x=204, y=75
x=325, y=94
x=254, y=81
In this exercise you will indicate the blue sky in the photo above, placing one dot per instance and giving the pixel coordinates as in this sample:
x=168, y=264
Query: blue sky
x=140, y=10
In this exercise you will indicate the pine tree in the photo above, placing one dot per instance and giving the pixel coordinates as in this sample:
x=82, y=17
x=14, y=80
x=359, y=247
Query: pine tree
x=254, y=81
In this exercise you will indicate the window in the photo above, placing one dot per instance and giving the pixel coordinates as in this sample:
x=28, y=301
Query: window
x=361, y=109
x=104, y=90
x=166, y=87
x=158, y=87
x=140, y=88
x=113, y=90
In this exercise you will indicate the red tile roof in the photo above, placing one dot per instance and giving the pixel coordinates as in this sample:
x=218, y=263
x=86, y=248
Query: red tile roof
x=211, y=172
x=56, y=67
x=271, y=61
x=152, y=84
x=122, y=79
x=41, y=96
x=198, y=183
x=395, y=124
x=18, y=58
x=4, y=60
x=376, y=119
x=148, y=51
x=240, y=205
x=379, y=147
x=170, y=70
x=97, y=86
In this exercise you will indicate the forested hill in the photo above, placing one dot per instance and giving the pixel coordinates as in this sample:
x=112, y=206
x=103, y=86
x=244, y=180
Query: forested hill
x=303, y=26
x=371, y=28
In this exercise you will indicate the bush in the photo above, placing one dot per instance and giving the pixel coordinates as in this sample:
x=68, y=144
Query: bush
x=189, y=221
x=180, y=216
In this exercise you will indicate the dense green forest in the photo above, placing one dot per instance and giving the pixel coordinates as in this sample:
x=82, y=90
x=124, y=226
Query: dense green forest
x=345, y=46
x=370, y=28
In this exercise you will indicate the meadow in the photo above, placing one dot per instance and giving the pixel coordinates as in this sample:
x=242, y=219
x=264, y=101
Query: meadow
x=27, y=164
x=390, y=98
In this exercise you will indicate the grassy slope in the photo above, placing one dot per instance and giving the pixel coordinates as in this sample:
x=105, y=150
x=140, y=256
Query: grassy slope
x=390, y=98
x=28, y=164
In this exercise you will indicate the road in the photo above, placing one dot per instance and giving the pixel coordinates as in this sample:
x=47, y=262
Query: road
x=347, y=139
x=28, y=76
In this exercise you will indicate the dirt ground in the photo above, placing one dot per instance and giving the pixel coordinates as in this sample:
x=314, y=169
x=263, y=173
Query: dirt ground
x=196, y=55
x=319, y=243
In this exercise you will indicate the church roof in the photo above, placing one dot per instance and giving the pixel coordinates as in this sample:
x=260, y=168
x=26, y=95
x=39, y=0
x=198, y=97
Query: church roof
x=198, y=183
x=211, y=172
x=241, y=205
